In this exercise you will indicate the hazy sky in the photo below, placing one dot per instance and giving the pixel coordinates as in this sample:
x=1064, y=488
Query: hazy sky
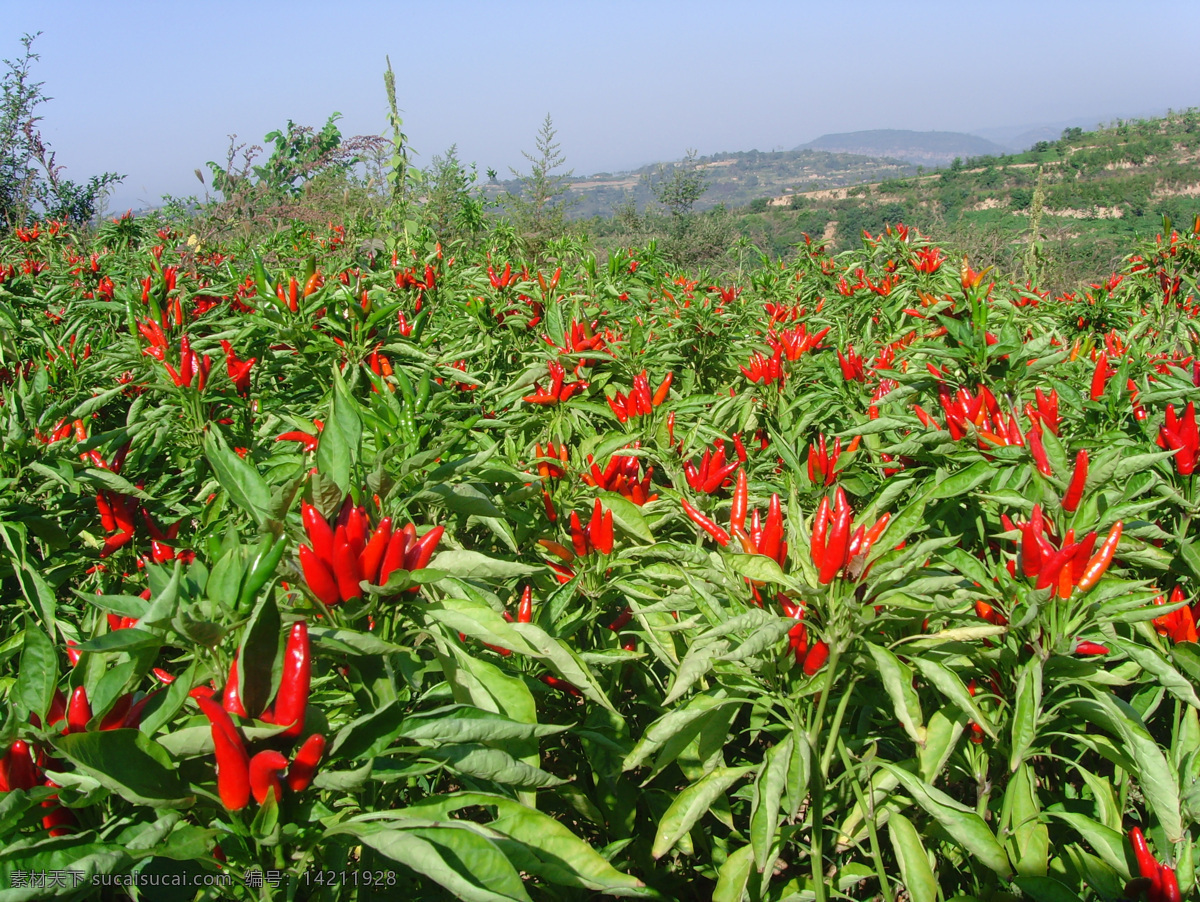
x=153, y=89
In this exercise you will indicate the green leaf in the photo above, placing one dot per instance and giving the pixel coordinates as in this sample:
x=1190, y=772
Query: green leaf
x=38, y=671
x=1026, y=713
x=493, y=764
x=462, y=498
x=757, y=567
x=1158, y=667
x=480, y=621
x=949, y=684
x=627, y=516
x=256, y=656
x=1155, y=777
x=238, y=477
x=674, y=723
x=768, y=795
x=962, y=823
x=1109, y=844
x=692, y=804
x=473, y=565
x=961, y=482
x=734, y=875
x=464, y=723
x=368, y=735
x=128, y=639
x=897, y=681
x=127, y=762
x=919, y=878
x=565, y=661
x=469, y=865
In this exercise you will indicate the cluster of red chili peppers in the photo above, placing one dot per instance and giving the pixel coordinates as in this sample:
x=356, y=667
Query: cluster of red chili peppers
x=713, y=471
x=822, y=460
x=1179, y=434
x=767, y=370
x=1179, y=625
x=239, y=370
x=238, y=774
x=554, y=468
x=1068, y=567
x=559, y=391
x=18, y=771
x=597, y=535
x=639, y=401
x=344, y=555
x=621, y=475
x=290, y=297
x=794, y=342
x=834, y=548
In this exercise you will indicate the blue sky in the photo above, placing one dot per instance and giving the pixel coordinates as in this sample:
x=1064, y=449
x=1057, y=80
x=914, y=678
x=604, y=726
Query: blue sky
x=153, y=89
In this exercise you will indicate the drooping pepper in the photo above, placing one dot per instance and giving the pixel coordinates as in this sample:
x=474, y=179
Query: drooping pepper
x=1074, y=493
x=304, y=764
x=233, y=764
x=291, y=702
x=264, y=771
x=708, y=525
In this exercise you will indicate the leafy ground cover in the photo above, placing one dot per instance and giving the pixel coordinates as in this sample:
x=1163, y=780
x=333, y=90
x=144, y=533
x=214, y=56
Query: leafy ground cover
x=399, y=571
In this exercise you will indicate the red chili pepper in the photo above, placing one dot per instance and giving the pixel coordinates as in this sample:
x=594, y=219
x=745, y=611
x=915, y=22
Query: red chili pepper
x=816, y=658
x=117, y=715
x=107, y=520
x=304, y=764
x=555, y=683
x=720, y=535
x=578, y=537
x=771, y=544
x=233, y=764
x=397, y=552
x=820, y=525
x=1168, y=884
x=346, y=570
x=985, y=611
x=79, y=711
x=265, y=768
x=372, y=556
x=1074, y=493
x=422, y=550
x=1146, y=862
x=1099, y=562
x=320, y=534
x=232, y=698
x=839, y=540
x=320, y=580
x=661, y=394
x=737, y=510
x=525, y=607
x=1099, y=377
x=1090, y=648
x=291, y=701
x=17, y=770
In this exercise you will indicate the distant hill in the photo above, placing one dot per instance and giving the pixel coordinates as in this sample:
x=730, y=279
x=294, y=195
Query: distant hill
x=918, y=148
x=733, y=179
x=1098, y=191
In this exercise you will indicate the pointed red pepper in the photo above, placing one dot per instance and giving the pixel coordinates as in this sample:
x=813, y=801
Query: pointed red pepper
x=291, y=701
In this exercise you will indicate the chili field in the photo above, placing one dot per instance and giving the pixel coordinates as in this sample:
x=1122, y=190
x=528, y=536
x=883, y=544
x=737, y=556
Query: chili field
x=347, y=569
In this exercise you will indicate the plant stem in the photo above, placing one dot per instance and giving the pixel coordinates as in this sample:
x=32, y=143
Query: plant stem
x=869, y=814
